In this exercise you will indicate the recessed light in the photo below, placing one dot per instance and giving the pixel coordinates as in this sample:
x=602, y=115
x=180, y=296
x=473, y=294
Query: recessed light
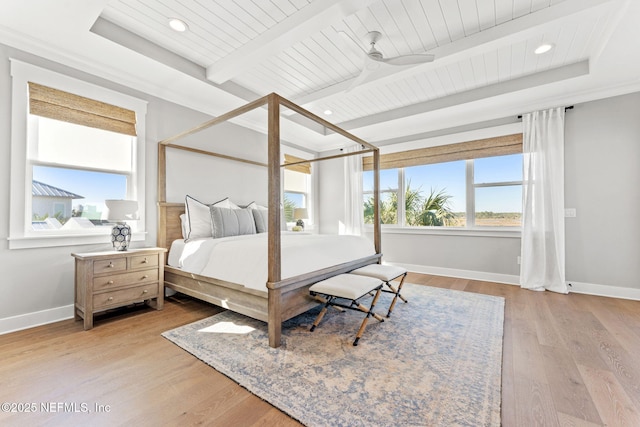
x=543, y=48
x=328, y=112
x=178, y=25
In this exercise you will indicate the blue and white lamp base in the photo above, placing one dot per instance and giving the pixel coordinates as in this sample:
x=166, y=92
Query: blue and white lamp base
x=121, y=236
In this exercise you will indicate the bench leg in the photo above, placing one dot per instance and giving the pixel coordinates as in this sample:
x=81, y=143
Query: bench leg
x=397, y=294
x=369, y=312
x=321, y=314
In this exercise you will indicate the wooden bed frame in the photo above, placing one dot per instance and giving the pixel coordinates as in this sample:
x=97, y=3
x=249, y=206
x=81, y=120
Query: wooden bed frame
x=282, y=299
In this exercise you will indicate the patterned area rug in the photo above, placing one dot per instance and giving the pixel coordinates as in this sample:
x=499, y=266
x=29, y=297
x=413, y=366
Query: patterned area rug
x=435, y=362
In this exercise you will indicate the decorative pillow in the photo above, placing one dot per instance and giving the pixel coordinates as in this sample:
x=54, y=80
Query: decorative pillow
x=199, y=217
x=227, y=222
x=261, y=217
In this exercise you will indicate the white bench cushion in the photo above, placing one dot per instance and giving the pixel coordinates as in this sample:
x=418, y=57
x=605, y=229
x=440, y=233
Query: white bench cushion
x=347, y=286
x=379, y=271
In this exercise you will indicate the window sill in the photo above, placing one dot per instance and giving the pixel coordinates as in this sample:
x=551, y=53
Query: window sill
x=511, y=232
x=51, y=240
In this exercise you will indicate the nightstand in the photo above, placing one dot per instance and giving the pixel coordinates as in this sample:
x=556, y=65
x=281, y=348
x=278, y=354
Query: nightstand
x=110, y=279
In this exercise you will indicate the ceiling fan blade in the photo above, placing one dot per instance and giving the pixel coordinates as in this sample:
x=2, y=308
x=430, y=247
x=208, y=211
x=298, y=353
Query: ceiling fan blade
x=368, y=68
x=408, y=59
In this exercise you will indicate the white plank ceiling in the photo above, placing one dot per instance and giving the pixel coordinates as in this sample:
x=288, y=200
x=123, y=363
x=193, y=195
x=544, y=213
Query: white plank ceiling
x=497, y=38
x=238, y=50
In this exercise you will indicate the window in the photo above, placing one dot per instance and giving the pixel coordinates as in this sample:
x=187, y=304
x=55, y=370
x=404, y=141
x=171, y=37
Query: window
x=75, y=169
x=74, y=145
x=482, y=191
x=498, y=191
x=435, y=194
x=297, y=187
x=389, y=181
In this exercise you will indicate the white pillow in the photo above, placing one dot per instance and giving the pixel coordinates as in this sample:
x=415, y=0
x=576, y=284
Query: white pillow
x=199, y=217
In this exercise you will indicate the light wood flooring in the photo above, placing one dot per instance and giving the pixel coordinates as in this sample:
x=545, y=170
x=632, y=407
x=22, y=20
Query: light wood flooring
x=568, y=360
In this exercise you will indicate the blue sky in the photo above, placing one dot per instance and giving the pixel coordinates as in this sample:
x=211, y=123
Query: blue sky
x=96, y=187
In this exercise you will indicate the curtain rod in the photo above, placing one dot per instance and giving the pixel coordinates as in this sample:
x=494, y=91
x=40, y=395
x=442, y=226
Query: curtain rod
x=570, y=107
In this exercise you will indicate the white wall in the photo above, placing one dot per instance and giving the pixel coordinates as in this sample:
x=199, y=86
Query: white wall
x=37, y=284
x=602, y=178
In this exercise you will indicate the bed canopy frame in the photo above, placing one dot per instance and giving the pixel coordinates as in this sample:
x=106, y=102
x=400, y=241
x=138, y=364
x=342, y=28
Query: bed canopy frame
x=287, y=297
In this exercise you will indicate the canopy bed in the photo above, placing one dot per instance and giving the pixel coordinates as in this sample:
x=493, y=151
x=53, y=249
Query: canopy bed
x=285, y=293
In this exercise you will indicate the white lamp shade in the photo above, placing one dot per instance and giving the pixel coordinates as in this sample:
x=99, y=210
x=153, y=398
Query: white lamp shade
x=300, y=213
x=121, y=210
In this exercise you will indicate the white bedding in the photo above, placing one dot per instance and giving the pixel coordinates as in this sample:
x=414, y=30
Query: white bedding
x=243, y=259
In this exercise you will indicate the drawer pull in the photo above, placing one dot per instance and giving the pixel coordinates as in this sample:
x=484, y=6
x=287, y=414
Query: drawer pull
x=145, y=276
x=144, y=261
x=110, y=299
x=110, y=282
x=145, y=291
x=110, y=265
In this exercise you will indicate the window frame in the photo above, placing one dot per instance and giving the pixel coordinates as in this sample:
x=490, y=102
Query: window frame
x=471, y=228
x=308, y=193
x=20, y=235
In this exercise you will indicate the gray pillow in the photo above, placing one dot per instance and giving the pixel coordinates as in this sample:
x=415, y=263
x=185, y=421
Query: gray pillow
x=261, y=217
x=227, y=222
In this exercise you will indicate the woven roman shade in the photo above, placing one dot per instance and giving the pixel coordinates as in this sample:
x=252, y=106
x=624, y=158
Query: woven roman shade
x=489, y=147
x=300, y=167
x=64, y=106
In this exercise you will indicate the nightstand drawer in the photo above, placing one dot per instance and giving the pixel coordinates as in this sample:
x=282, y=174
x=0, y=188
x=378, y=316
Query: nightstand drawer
x=109, y=265
x=143, y=261
x=131, y=295
x=123, y=279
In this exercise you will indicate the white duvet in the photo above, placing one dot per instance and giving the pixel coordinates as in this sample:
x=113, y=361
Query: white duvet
x=243, y=259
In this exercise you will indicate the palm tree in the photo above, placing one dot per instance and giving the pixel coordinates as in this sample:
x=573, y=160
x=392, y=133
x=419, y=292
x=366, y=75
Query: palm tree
x=432, y=211
x=388, y=209
x=289, y=206
x=436, y=210
x=412, y=204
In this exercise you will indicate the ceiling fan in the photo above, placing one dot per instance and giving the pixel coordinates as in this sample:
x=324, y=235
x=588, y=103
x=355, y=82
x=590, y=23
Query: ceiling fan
x=373, y=58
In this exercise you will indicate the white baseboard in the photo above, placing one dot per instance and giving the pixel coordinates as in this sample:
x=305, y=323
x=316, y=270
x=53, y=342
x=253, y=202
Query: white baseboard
x=462, y=274
x=575, y=287
x=604, y=290
x=31, y=320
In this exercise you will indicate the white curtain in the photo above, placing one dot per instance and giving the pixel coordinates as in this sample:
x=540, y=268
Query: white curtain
x=542, y=252
x=353, y=203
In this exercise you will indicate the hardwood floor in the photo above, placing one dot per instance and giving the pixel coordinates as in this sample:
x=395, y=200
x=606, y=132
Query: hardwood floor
x=568, y=360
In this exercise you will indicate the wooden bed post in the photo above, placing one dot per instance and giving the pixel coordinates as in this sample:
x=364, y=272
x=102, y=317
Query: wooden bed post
x=377, y=241
x=274, y=271
x=161, y=239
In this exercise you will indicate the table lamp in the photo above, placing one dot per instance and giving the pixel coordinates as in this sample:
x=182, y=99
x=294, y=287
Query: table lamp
x=299, y=214
x=121, y=211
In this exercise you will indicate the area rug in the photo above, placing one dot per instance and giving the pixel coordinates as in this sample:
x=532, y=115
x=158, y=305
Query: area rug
x=435, y=362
